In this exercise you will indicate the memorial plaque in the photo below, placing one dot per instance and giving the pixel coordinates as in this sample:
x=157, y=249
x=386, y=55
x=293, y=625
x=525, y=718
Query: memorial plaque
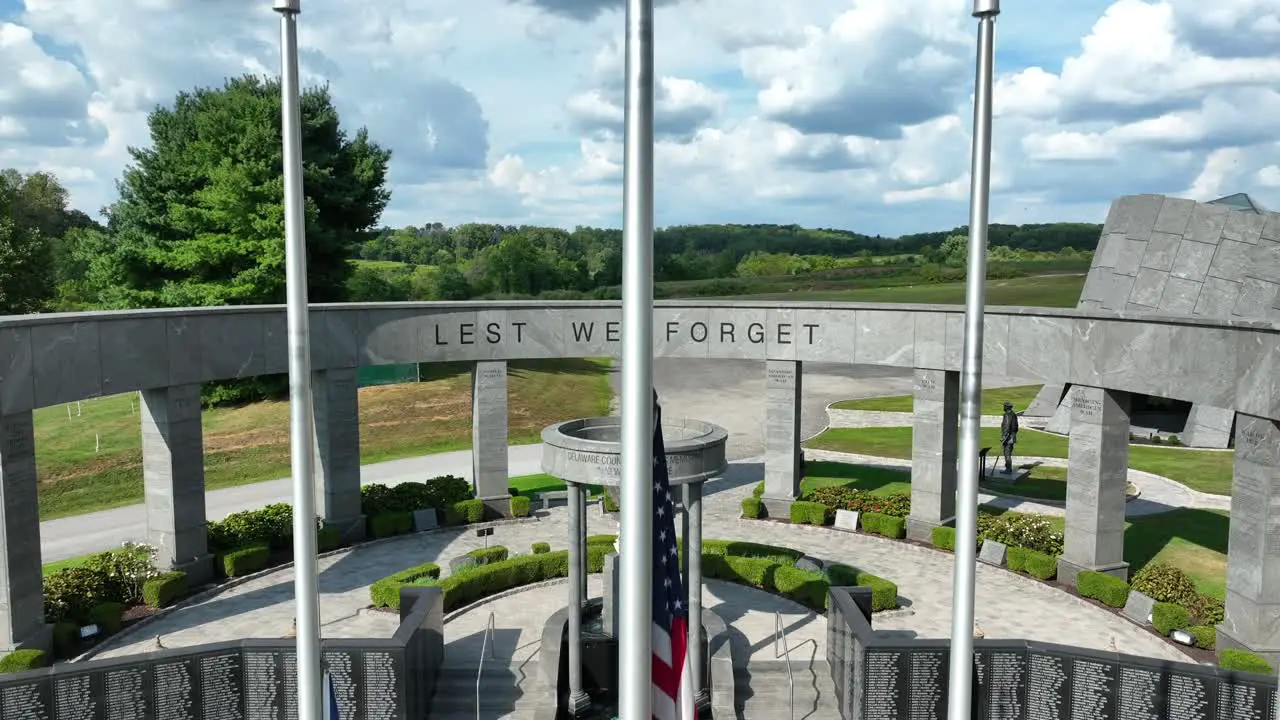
x=1141, y=694
x=221, y=695
x=847, y=520
x=1000, y=692
x=75, y=697
x=27, y=700
x=383, y=673
x=1093, y=688
x=1047, y=686
x=993, y=553
x=126, y=693
x=1189, y=696
x=344, y=670
x=882, y=687
x=926, y=684
x=263, y=685
x=176, y=693
x=1242, y=700
x=1138, y=607
x=289, y=683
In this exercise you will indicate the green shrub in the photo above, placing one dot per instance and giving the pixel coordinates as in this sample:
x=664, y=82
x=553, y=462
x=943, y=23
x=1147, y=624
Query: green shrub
x=108, y=616
x=807, y=587
x=463, y=588
x=1165, y=583
x=161, y=591
x=246, y=560
x=596, y=555
x=489, y=555
x=388, y=524
x=1016, y=559
x=601, y=539
x=271, y=525
x=741, y=548
x=66, y=636
x=520, y=506
x=540, y=548
x=1206, y=636
x=843, y=497
x=757, y=492
x=754, y=571
x=808, y=513
x=1033, y=532
x=945, y=538
x=884, y=593
x=1243, y=661
x=70, y=592
x=328, y=539
x=437, y=493
x=610, y=505
x=751, y=507
x=385, y=593
x=1041, y=566
x=465, y=511
x=1167, y=617
x=123, y=571
x=890, y=526
x=23, y=660
x=1207, y=610
x=1107, y=589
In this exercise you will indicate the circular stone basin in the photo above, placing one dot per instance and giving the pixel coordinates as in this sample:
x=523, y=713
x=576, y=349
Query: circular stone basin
x=589, y=451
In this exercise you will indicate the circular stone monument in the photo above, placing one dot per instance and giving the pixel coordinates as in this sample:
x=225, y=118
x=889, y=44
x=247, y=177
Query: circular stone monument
x=589, y=451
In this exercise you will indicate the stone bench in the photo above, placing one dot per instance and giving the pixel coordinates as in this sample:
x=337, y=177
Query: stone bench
x=557, y=496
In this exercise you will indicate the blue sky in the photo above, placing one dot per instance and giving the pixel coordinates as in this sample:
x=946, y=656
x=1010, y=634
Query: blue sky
x=832, y=113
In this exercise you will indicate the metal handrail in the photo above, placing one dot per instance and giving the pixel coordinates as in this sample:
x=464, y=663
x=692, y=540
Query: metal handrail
x=780, y=636
x=484, y=645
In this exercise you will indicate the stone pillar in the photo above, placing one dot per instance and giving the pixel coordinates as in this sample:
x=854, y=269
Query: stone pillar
x=578, y=700
x=782, y=473
x=22, y=623
x=336, y=408
x=489, y=435
x=693, y=586
x=1208, y=427
x=173, y=480
x=582, y=537
x=1253, y=549
x=1097, y=474
x=934, y=441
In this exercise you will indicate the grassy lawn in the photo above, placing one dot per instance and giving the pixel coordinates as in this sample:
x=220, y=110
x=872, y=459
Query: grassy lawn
x=250, y=444
x=1202, y=470
x=878, y=481
x=1045, y=291
x=540, y=483
x=993, y=400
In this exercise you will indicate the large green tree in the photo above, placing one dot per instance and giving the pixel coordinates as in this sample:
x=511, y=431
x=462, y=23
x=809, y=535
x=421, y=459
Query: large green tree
x=200, y=220
x=34, y=226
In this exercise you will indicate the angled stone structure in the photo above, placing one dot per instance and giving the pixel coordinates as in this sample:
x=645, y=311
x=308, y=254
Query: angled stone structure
x=489, y=434
x=783, y=390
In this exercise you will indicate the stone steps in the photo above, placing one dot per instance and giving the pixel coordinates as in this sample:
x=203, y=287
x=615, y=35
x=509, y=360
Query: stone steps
x=505, y=692
x=763, y=690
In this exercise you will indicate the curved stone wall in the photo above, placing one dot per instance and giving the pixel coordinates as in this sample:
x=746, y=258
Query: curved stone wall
x=51, y=359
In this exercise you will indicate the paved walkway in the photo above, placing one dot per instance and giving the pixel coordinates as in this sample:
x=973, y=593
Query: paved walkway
x=1007, y=605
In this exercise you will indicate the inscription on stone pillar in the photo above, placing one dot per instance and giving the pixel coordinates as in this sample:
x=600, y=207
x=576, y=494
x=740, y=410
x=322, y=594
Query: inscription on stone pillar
x=21, y=585
x=489, y=428
x=783, y=386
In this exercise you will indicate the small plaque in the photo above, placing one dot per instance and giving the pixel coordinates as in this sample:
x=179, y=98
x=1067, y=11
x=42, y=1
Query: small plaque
x=847, y=520
x=993, y=553
x=425, y=520
x=1138, y=608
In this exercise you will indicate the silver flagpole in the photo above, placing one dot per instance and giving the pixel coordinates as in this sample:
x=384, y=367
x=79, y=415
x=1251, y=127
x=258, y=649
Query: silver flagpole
x=961, y=689
x=635, y=647
x=301, y=433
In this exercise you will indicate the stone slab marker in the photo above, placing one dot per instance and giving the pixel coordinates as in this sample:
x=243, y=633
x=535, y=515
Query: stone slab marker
x=934, y=443
x=489, y=434
x=783, y=385
x=173, y=479
x=1097, y=474
x=21, y=582
x=1253, y=550
x=336, y=408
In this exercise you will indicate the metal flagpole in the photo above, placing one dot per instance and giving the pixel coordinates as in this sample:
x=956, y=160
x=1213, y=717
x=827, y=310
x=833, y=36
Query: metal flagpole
x=301, y=432
x=961, y=690
x=636, y=587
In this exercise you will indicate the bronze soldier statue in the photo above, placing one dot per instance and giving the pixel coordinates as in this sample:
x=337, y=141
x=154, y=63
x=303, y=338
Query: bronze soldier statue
x=1008, y=435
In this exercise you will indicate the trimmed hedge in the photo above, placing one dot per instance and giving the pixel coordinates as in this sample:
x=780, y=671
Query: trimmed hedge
x=23, y=660
x=438, y=493
x=1243, y=661
x=389, y=524
x=245, y=561
x=489, y=555
x=1167, y=617
x=751, y=507
x=1039, y=565
x=944, y=538
x=541, y=548
x=464, y=512
x=1206, y=636
x=808, y=513
x=884, y=593
x=107, y=616
x=757, y=492
x=888, y=526
x=161, y=591
x=742, y=548
x=328, y=539
x=1016, y=558
x=520, y=506
x=385, y=593
x=610, y=505
x=1107, y=589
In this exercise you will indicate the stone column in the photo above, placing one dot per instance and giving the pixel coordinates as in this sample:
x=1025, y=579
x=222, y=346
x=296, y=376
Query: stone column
x=578, y=700
x=489, y=435
x=173, y=480
x=582, y=537
x=336, y=408
x=1097, y=474
x=783, y=391
x=934, y=443
x=22, y=623
x=693, y=586
x=1253, y=549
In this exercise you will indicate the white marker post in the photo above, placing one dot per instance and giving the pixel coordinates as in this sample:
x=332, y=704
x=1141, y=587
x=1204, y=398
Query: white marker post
x=301, y=433
x=961, y=685
x=636, y=559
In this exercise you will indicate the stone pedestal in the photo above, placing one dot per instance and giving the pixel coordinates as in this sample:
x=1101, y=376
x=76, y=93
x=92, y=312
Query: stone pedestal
x=782, y=472
x=336, y=408
x=934, y=442
x=173, y=480
x=1253, y=550
x=1097, y=475
x=577, y=581
x=489, y=435
x=21, y=580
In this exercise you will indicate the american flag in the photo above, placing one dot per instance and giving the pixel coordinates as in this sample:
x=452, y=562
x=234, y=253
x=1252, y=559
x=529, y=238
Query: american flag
x=672, y=682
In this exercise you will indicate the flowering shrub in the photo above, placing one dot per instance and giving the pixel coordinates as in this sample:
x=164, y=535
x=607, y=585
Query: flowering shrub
x=1018, y=530
x=838, y=497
